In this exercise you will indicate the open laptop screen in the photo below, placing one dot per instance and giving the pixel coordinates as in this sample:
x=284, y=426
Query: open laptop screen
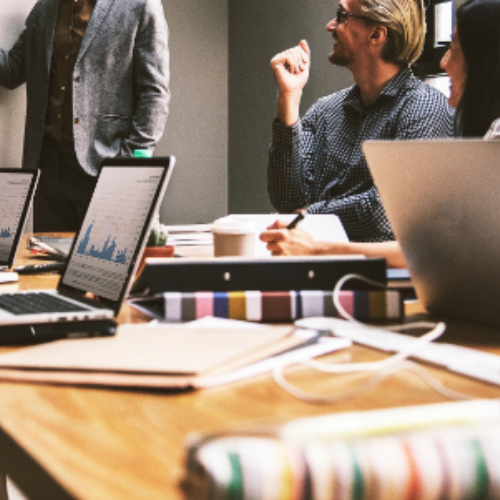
x=115, y=227
x=16, y=193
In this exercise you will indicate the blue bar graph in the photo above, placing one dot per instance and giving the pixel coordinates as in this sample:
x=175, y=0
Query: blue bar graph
x=108, y=251
x=5, y=233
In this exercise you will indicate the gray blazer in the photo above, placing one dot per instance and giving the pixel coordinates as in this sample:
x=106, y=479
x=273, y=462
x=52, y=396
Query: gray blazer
x=120, y=79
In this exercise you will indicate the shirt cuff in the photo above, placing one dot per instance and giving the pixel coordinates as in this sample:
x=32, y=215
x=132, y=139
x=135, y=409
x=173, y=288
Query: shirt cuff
x=283, y=135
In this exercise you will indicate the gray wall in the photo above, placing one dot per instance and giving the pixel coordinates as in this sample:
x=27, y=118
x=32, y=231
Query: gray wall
x=196, y=131
x=258, y=29
x=12, y=103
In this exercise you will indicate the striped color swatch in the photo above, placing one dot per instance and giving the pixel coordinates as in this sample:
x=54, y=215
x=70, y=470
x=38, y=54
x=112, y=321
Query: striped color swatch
x=281, y=306
x=454, y=463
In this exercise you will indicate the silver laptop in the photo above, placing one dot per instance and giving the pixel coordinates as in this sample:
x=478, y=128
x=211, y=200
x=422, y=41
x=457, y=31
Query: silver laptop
x=17, y=188
x=105, y=253
x=442, y=198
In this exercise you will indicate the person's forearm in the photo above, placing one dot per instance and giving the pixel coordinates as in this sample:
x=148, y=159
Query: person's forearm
x=288, y=107
x=389, y=250
x=287, y=187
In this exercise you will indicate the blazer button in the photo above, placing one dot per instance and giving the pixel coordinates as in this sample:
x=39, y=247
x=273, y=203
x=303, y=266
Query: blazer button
x=77, y=79
x=77, y=120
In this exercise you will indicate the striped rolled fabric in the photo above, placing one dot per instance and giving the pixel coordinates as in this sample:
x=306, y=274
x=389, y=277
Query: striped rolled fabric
x=451, y=463
x=281, y=306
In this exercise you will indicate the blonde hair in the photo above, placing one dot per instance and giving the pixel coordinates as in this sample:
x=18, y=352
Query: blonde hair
x=405, y=23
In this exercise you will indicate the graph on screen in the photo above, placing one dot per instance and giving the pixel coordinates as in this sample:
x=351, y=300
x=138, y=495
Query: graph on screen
x=14, y=191
x=108, y=252
x=112, y=229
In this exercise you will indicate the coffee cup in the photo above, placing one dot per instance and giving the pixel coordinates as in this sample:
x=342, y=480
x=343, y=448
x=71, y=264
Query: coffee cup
x=233, y=236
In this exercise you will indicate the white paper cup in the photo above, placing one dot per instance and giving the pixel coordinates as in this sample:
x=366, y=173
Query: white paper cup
x=233, y=237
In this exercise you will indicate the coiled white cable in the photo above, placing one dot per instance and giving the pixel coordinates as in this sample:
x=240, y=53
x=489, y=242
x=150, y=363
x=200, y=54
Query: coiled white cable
x=379, y=369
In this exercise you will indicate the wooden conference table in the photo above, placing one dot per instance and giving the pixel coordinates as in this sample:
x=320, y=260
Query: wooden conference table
x=68, y=442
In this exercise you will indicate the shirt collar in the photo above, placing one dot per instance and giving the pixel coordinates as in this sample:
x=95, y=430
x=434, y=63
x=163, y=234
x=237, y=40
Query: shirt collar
x=392, y=88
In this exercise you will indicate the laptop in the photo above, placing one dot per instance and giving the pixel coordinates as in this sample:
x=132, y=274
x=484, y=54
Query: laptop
x=17, y=188
x=104, y=256
x=442, y=199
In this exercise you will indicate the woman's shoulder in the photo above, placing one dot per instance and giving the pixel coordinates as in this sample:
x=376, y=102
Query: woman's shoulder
x=494, y=131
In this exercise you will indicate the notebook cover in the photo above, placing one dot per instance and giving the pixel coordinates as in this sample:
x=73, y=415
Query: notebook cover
x=142, y=356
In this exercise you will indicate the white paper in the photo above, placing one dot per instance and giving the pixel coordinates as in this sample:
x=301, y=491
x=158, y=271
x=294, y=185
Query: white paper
x=323, y=346
x=443, y=23
x=8, y=277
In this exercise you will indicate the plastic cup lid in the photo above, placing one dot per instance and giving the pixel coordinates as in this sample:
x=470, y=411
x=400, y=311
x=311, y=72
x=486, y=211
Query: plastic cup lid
x=233, y=225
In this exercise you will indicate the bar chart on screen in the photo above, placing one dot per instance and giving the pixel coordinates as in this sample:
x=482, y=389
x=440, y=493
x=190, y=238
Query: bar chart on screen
x=13, y=192
x=111, y=230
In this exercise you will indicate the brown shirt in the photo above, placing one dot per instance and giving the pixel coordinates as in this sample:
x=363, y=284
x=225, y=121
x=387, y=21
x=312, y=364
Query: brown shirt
x=74, y=16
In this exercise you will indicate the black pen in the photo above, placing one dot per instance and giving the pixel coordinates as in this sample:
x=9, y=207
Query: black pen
x=41, y=268
x=297, y=219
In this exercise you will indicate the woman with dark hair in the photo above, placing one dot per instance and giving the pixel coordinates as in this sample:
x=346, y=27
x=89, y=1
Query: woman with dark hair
x=473, y=65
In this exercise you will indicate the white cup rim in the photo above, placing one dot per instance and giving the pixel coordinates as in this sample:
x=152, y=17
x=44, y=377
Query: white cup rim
x=233, y=225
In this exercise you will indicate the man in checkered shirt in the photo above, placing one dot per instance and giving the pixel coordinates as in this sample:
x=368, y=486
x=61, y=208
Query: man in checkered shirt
x=317, y=161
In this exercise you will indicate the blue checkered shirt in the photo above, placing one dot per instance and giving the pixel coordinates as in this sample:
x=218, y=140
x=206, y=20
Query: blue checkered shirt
x=318, y=163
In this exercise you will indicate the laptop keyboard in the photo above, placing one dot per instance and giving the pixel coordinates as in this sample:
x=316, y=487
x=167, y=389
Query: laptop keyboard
x=36, y=302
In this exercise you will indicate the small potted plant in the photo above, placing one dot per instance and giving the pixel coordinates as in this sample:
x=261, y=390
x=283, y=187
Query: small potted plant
x=156, y=245
x=158, y=235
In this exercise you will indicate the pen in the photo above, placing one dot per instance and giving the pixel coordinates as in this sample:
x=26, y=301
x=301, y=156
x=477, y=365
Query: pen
x=41, y=268
x=297, y=219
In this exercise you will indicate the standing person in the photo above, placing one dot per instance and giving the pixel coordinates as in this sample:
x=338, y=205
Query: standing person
x=96, y=74
x=316, y=161
x=473, y=66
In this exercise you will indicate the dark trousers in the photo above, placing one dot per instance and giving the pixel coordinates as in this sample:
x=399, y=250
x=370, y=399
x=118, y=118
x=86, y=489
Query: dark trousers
x=64, y=189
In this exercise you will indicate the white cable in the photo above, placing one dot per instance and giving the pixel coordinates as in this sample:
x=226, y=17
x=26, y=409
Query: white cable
x=386, y=363
x=382, y=369
x=371, y=382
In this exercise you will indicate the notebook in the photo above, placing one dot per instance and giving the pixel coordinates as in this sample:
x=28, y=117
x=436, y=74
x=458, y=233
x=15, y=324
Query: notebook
x=161, y=357
x=105, y=253
x=17, y=188
x=442, y=200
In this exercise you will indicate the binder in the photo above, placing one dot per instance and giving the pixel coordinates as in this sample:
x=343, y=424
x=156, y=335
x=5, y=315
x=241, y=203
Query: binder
x=270, y=274
x=271, y=306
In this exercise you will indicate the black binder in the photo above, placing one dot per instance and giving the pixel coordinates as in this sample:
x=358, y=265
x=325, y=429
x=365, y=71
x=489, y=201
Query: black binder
x=240, y=274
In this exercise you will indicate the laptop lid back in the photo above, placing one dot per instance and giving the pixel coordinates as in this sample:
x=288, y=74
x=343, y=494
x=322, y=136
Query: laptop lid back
x=17, y=188
x=442, y=199
x=106, y=251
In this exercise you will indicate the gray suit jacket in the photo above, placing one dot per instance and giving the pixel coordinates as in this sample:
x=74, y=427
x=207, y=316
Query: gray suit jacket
x=120, y=80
